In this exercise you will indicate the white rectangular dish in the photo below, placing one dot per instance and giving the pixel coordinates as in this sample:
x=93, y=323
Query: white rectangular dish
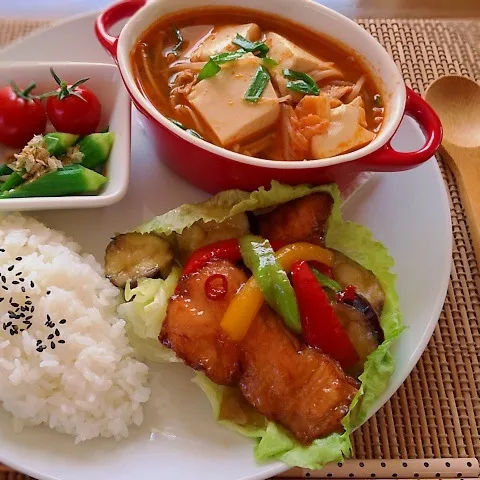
x=105, y=82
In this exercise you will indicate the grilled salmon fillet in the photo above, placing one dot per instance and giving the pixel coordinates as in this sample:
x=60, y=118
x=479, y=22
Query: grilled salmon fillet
x=300, y=220
x=192, y=324
x=291, y=383
x=284, y=379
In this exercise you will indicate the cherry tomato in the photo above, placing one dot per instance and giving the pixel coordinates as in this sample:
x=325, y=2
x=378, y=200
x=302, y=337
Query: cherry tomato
x=21, y=116
x=73, y=108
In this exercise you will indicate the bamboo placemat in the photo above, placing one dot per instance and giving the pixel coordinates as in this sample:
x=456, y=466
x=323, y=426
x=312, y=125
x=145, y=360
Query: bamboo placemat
x=436, y=413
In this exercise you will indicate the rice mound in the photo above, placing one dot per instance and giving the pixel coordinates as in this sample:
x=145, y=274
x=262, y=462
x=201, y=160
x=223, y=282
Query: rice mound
x=65, y=360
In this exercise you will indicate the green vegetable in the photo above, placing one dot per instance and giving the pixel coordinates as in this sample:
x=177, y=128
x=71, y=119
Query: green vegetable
x=191, y=131
x=70, y=180
x=179, y=43
x=14, y=180
x=257, y=86
x=212, y=67
x=96, y=149
x=326, y=281
x=57, y=143
x=353, y=240
x=269, y=62
x=144, y=312
x=259, y=257
x=301, y=82
x=258, y=48
x=5, y=170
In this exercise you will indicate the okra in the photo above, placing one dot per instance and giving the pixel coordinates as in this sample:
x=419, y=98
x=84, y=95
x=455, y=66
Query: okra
x=57, y=143
x=96, y=149
x=5, y=170
x=14, y=180
x=70, y=180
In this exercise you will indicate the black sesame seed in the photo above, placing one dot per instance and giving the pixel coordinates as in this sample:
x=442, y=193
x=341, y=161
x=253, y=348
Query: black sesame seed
x=32, y=284
x=32, y=309
x=10, y=268
x=62, y=321
x=15, y=282
x=1, y=299
x=57, y=332
x=28, y=302
x=52, y=345
x=4, y=278
x=18, y=274
x=12, y=332
x=29, y=317
x=21, y=279
x=2, y=250
x=39, y=349
x=18, y=259
x=23, y=289
x=4, y=287
x=61, y=341
x=14, y=304
x=48, y=317
x=39, y=342
x=50, y=336
x=48, y=292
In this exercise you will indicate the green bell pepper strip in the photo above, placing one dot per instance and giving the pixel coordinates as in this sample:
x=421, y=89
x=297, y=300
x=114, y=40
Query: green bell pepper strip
x=326, y=281
x=70, y=180
x=259, y=257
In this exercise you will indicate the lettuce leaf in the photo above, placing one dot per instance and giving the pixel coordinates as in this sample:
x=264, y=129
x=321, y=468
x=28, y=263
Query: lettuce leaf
x=144, y=311
x=355, y=241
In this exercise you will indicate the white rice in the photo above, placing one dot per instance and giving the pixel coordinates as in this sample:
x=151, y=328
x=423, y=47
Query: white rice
x=88, y=386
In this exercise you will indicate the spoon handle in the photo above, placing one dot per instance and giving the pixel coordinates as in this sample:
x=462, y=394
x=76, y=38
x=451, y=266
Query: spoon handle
x=465, y=163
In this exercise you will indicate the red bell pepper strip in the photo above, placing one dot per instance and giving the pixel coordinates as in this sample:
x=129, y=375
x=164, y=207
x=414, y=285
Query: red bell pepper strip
x=320, y=325
x=224, y=249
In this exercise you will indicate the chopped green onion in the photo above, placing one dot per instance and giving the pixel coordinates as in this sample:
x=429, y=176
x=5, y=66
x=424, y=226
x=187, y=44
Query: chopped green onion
x=301, y=82
x=257, y=86
x=269, y=62
x=191, y=131
x=377, y=100
x=258, y=48
x=179, y=43
x=212, y=67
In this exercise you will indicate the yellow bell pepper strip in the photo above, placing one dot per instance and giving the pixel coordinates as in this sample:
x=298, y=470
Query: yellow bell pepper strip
x=259, y=257
x=247, y=302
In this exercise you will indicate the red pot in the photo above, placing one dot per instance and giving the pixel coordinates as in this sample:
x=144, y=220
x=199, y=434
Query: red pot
x=215, y=169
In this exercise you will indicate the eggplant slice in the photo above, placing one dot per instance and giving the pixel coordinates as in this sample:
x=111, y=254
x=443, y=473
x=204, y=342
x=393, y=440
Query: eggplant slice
x=348, y=272
x=131, y=256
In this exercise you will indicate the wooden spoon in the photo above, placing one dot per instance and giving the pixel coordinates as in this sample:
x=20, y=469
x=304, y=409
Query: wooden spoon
x=456, y=100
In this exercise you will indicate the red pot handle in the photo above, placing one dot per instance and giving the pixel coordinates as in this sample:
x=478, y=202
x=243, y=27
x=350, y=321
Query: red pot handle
x=387, y=159
x=109, y=17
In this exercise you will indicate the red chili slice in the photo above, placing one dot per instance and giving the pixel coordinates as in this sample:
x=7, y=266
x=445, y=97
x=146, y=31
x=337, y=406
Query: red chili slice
x=216, y=286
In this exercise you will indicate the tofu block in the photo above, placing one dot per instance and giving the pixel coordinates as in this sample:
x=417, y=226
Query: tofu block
x=220, y=40
x=219, y=100
x=288, y=55
x=346, y=131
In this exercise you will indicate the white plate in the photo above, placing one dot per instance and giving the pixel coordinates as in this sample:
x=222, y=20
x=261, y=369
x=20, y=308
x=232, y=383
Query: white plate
x=407, y=211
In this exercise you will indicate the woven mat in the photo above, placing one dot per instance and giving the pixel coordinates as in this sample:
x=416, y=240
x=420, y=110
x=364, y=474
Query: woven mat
x=436, y=412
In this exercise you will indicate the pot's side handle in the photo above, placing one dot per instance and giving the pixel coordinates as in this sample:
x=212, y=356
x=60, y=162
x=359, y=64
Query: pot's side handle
x=109, y=17
x=387, y=159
